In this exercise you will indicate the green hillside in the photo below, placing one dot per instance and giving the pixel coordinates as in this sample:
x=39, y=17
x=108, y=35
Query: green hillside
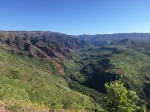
x=96, y=66
x=46, y=71
x=32, y=81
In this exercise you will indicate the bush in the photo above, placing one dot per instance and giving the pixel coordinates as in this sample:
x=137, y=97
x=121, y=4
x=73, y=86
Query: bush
x=119, y=99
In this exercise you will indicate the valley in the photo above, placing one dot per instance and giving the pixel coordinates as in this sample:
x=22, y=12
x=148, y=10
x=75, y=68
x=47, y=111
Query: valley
x=53, y=71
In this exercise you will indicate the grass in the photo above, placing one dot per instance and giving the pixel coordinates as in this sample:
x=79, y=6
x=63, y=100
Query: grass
x=135, y=68
x=36, y=82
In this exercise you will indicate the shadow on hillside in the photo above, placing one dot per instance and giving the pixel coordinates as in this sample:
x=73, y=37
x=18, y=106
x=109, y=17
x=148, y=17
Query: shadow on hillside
x=98, y=81
x=147, y=93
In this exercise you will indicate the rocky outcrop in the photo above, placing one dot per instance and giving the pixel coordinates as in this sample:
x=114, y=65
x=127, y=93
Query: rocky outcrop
x=49, y=46
x=42, y=44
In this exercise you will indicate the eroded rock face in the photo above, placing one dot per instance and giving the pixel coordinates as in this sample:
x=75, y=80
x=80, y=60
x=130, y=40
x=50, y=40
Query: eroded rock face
x=46, y=45
x=42, y=43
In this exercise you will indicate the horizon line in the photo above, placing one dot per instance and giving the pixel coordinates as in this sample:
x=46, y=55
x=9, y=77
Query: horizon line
x=69, y=34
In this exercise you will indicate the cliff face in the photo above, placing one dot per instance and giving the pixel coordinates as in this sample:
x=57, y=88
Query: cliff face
x=41, y=44
x=49, y=46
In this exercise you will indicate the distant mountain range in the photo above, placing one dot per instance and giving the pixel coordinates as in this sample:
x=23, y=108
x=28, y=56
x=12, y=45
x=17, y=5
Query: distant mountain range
x=101, y=39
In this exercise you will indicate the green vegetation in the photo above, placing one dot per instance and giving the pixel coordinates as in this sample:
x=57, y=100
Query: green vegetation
x=119, y=99
x=33, y=81
x=45, y=74
x=96, y=66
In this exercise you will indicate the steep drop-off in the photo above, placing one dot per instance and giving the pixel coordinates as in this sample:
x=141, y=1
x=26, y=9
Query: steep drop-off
x=62, y=72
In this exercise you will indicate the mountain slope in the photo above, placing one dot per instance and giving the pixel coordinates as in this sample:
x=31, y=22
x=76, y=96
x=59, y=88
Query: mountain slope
x=141, y=46
x=99, y=65
x=102, y=39
x=49, y=46
x=44, y=43
x=32, y=72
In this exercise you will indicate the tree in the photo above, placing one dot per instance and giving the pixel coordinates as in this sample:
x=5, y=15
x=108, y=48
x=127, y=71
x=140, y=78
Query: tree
x=119, y=99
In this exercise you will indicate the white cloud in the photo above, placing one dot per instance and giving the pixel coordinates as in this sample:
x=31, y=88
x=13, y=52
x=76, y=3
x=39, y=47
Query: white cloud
x=105, y=33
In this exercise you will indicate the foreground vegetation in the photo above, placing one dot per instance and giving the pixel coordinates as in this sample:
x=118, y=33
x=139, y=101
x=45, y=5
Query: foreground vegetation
x=119, y=99
x=33, y=81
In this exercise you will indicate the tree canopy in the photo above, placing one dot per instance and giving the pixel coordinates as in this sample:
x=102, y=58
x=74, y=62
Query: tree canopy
x=119, y=99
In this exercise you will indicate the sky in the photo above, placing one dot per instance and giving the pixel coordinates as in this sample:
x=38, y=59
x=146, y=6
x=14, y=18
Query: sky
x=76, y=17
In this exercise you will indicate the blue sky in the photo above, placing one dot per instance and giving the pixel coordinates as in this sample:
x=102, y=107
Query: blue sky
x=76, y=16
